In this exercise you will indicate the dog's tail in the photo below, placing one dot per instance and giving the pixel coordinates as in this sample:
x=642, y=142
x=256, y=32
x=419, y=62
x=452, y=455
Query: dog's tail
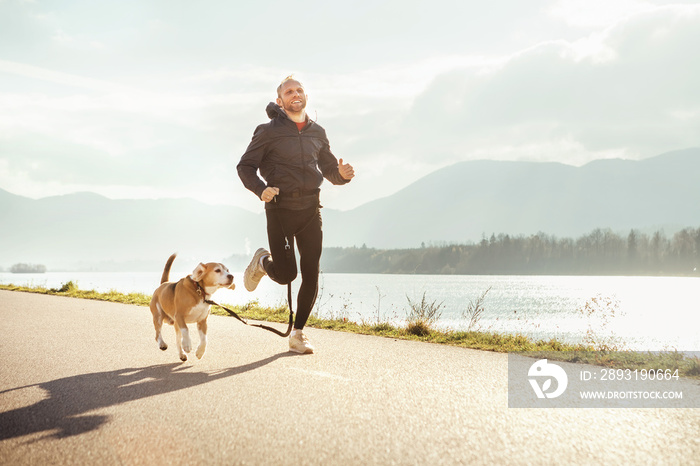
x=166, y=271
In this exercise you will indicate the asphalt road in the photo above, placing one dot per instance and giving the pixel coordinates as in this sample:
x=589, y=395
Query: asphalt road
x=83, y=382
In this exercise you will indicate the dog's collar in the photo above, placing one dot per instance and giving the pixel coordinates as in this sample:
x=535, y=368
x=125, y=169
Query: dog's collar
x=200, y=289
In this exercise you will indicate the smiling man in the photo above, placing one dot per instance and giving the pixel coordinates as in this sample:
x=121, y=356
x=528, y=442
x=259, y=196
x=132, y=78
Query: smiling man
x=292, y=155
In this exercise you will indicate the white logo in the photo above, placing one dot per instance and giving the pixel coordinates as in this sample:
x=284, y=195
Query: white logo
x=544, y=369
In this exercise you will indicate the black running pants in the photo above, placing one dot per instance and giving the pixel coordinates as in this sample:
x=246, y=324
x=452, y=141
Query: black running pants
x=303, y=228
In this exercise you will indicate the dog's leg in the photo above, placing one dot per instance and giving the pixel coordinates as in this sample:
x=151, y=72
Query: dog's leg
x=178, y=342
x=202, y=326
x=158, y=324
x=186, y=342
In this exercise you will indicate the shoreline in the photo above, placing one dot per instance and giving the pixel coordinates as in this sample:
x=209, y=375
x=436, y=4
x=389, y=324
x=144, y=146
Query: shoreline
x=479, y=340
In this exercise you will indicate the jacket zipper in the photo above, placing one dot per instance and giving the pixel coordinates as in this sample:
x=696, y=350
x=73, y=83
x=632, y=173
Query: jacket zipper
x=303, y=168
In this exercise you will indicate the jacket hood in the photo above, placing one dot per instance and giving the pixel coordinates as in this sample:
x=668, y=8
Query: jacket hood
x=273, y=111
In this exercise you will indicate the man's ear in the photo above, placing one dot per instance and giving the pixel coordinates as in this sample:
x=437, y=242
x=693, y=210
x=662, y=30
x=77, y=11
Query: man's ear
x=199, y=272
x=278, y=102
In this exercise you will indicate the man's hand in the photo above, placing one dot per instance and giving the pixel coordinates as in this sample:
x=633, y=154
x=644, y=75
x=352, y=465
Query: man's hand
x=269, y=194
x=346, y=170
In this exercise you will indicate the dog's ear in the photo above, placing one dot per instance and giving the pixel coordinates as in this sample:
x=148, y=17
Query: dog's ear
x=199, y=272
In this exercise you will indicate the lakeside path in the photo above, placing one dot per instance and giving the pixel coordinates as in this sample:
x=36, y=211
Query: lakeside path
x=83, y=382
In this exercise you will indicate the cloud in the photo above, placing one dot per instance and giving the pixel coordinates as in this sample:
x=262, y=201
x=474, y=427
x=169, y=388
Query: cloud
x=629, y=91
x=111, y=137
x=111, y=97
x=35, y=72
x=596, y=13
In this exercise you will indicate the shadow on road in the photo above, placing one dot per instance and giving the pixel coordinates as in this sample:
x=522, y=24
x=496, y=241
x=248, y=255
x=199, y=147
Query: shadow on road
x=69, y=398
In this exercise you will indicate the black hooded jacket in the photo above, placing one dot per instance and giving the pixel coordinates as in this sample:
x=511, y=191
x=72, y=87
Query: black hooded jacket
x=293, y=161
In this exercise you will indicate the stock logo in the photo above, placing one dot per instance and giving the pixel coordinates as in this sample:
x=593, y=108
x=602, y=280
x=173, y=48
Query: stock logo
x=542, y=370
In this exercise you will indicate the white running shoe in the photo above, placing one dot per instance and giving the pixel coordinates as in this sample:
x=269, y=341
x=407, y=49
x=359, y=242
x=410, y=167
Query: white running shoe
x=255, y=271
x=298, y=343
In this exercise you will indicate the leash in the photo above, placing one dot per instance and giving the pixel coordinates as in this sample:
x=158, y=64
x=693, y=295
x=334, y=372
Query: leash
x=270, y=329
x=203, y=294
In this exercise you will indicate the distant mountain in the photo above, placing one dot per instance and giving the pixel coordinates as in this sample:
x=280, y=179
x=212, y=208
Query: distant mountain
x=459, y=203
x=85, y=229
x=462, y=202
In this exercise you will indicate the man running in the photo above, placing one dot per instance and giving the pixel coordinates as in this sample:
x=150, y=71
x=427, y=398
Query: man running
x=293, y=156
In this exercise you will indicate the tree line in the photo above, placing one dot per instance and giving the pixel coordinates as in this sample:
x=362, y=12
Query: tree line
x=28, y=268
x=601, y=252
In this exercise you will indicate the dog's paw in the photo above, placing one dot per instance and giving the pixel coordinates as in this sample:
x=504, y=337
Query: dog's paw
x=186, y=345
x=183, y=357
x=161, y=343
x=200, y=352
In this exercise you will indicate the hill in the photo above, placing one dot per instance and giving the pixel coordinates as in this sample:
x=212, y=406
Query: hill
x=87, y=228
x=463, y=202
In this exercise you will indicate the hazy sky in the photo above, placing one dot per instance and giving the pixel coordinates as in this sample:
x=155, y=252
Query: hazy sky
x=146, y=98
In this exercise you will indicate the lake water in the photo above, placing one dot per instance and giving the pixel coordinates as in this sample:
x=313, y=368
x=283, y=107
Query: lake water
x=645, y=313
